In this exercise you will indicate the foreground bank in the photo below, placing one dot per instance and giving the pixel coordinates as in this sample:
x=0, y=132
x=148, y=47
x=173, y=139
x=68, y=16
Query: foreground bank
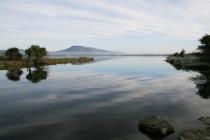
x=188, y=62
x=199, y=60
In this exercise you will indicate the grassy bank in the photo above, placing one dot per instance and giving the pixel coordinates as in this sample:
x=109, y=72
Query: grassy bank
x=188, y=62
x=17, y=64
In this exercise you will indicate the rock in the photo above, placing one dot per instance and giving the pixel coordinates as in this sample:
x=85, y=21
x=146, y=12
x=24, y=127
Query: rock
x=205, y=120
x=195, y=134
x=155, y=128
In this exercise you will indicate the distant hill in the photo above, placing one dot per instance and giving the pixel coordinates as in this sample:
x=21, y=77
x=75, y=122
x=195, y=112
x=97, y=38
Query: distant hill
x=81, y=51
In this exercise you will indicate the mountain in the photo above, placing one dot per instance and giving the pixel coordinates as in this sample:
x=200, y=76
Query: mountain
x=82, y=51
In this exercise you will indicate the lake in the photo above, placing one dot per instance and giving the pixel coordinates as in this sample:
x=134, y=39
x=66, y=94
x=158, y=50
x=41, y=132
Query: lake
x=103, y=100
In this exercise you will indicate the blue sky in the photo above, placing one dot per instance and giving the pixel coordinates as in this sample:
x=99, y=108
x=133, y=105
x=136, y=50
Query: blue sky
x=133, y=26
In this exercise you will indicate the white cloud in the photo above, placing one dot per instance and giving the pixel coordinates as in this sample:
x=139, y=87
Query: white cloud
x=89, y=19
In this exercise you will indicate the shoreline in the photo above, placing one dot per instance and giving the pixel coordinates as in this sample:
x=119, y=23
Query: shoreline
x=18, y=64
x=188, y=62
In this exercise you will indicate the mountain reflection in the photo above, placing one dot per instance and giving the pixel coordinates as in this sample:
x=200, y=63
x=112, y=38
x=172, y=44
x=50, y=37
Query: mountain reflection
x=35, y=75
x=14, y=75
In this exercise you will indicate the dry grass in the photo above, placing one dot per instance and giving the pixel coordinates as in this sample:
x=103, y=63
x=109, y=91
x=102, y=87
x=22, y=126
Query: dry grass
x=11, y=64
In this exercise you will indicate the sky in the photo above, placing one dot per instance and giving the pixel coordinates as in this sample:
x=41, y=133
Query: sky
x=132, y=26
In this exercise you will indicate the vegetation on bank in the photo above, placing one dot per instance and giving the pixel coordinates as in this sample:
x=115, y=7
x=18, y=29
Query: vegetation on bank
x=13, y=54
x=193, y=61
x=23, y=63
x=197, y=62
x=188, y=62
x=35, y=56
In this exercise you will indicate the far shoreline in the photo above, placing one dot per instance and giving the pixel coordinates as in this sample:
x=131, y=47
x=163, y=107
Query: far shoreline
x=23, y=63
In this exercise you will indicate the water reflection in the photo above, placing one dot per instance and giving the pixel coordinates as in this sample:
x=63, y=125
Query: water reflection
x=35, y=75
x=14, y=75
x=202, y=80
x=76, y=100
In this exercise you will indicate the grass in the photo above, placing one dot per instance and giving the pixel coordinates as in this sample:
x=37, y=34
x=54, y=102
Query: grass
x=188, y=62
x=54, y=61
x=17, y=64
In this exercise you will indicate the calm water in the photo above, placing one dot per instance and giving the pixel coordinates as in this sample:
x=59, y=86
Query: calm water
x=97, y=101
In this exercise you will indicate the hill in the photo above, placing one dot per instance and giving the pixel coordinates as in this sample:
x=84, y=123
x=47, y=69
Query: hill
x=82, y=51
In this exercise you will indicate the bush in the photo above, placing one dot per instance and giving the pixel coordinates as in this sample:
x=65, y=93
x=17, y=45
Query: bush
x=13, y=54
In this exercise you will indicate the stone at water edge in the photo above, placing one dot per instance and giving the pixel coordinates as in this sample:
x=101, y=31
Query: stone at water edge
x=154, y=127
x=195, y=134
x=205, y=120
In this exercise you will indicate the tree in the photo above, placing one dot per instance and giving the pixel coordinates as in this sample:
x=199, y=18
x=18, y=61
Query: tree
x=205, y=45
x=36, y=53
x=182, y=53
x=175, y=54
x=13, y=54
